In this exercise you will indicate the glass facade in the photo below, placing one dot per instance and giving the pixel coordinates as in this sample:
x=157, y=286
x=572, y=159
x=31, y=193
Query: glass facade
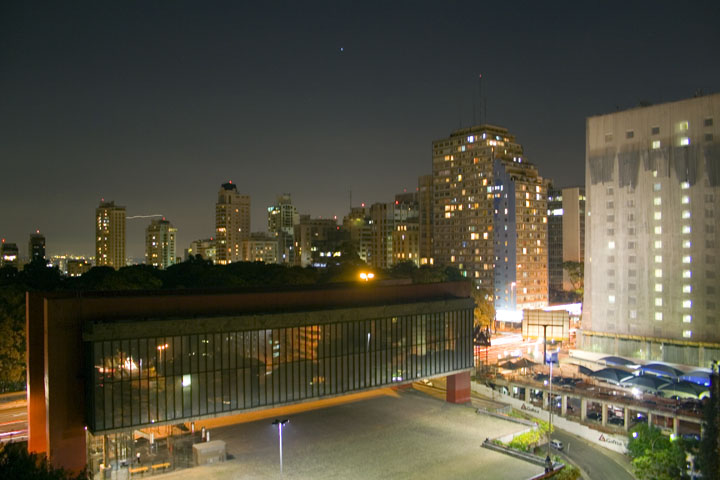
x=142, y=381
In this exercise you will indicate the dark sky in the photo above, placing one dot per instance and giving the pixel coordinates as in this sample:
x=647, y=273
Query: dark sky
x=155, y=104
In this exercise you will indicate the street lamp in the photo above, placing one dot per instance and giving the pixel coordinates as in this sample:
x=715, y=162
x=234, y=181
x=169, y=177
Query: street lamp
x=280, y=424
x=367, y=276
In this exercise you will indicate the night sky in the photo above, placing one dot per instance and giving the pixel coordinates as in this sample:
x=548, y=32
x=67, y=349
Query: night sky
x=155, y=104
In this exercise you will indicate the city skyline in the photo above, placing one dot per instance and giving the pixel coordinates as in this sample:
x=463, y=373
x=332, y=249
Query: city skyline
x=154, y=106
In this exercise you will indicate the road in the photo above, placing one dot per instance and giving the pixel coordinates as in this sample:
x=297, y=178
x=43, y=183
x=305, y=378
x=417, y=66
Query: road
x=13, y=420
x=596, y=462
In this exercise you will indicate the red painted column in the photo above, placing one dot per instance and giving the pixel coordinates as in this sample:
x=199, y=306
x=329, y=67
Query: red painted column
x=458, y=388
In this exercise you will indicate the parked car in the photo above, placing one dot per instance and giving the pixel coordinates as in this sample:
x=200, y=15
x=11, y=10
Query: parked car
x=556, y=444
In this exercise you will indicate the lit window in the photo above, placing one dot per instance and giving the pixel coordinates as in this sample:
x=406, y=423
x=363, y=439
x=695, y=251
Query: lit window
x=686, y=244
x=611, y=244
x=658, y=302
x=633, y=313
x=686, y=229
x=658, y=215
x=687, y=288
x=684, y=185
x=658, y=316
x=657, y=201
x=687, y=333
x=685, y=199
x=656, y=144
x=658, y=287
x=658, y=243
x=684, y=141
x=658, y=230
x=687, y=318
x=611, y=298
x=687, y=273
x=683, y=126
x=687, y=259
x=687, y=303
x=658, y=273
x=656, y=187
x=658, y=258
x=686, y=214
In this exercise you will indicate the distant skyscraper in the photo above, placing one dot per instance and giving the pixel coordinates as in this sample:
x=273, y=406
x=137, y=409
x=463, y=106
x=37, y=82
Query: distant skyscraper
x=110, y=235
x=652, y=279
x=260, y=247
x=282, y=218
x=232, y=223
x=490, y=217
x=317, y=240
x=425, y=204
x=76, y=267
x=160, y=244
x=395, y=227
x=9, y=254
x=36, y=246
x=566, y=234
x=358, y=225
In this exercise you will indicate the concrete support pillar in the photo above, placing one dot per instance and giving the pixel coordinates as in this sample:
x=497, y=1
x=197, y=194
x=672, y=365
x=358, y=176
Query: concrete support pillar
x=563, y=405
x=546, y=399
x=527, y=394
x=604, y=413
x=458, y=388
x=650, y=419
x=676, y=425
x=583, y=409
x=626, y=418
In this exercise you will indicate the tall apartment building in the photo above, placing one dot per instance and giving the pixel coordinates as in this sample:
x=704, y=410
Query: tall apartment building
x=232, y=223
x=36, y=246
x=653, y=220
x=110, y=235
x=160, y=243
x=566, y=233
x=316, y=239
x=425, y=219
x=260, y=247
x=359, y=229
x=282, y=218
x=490, y=217
x=395, y=221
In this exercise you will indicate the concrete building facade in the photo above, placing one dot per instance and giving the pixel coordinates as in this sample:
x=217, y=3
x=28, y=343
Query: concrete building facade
x=232, y=223
x=260, y=247
x=282, y=218
x=160, y=243
x=110, y=235
x=653, y=220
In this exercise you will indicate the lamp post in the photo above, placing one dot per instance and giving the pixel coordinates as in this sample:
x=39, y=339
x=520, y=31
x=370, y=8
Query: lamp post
x=280, y=424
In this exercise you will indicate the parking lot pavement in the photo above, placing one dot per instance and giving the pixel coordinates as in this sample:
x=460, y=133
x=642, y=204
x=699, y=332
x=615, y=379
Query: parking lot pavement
x=405, y=435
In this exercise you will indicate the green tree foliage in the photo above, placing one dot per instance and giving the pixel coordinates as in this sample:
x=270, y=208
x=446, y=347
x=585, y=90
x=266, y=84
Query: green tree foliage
x=484, y=307
x=654, y=455
x=17, y=464
x=576, y=273
x=709, y=451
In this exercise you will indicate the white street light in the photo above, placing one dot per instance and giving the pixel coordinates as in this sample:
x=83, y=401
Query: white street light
x=280, y=424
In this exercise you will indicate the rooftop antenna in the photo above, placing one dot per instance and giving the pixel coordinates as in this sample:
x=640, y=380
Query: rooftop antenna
x=483, y=100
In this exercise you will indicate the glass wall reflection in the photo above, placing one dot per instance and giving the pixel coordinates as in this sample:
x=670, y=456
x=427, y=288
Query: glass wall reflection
x=142, y=381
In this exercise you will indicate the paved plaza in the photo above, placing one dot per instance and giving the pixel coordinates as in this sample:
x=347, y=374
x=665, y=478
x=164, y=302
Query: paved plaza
x=397, y=434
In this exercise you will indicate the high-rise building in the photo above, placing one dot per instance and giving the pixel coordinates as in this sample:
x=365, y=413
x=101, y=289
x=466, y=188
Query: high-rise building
x=260, y=247
x=110, y=235
x=206, y=248
x=9, y=254
x=282, y=218
x=76, y=267
x=653, y=220
x=490, y=218
x=358, y=226
x=232, y=223
x=160, y=243
x=566, y=234
x=36, y=246
x=316, y=239
x=425, y=218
